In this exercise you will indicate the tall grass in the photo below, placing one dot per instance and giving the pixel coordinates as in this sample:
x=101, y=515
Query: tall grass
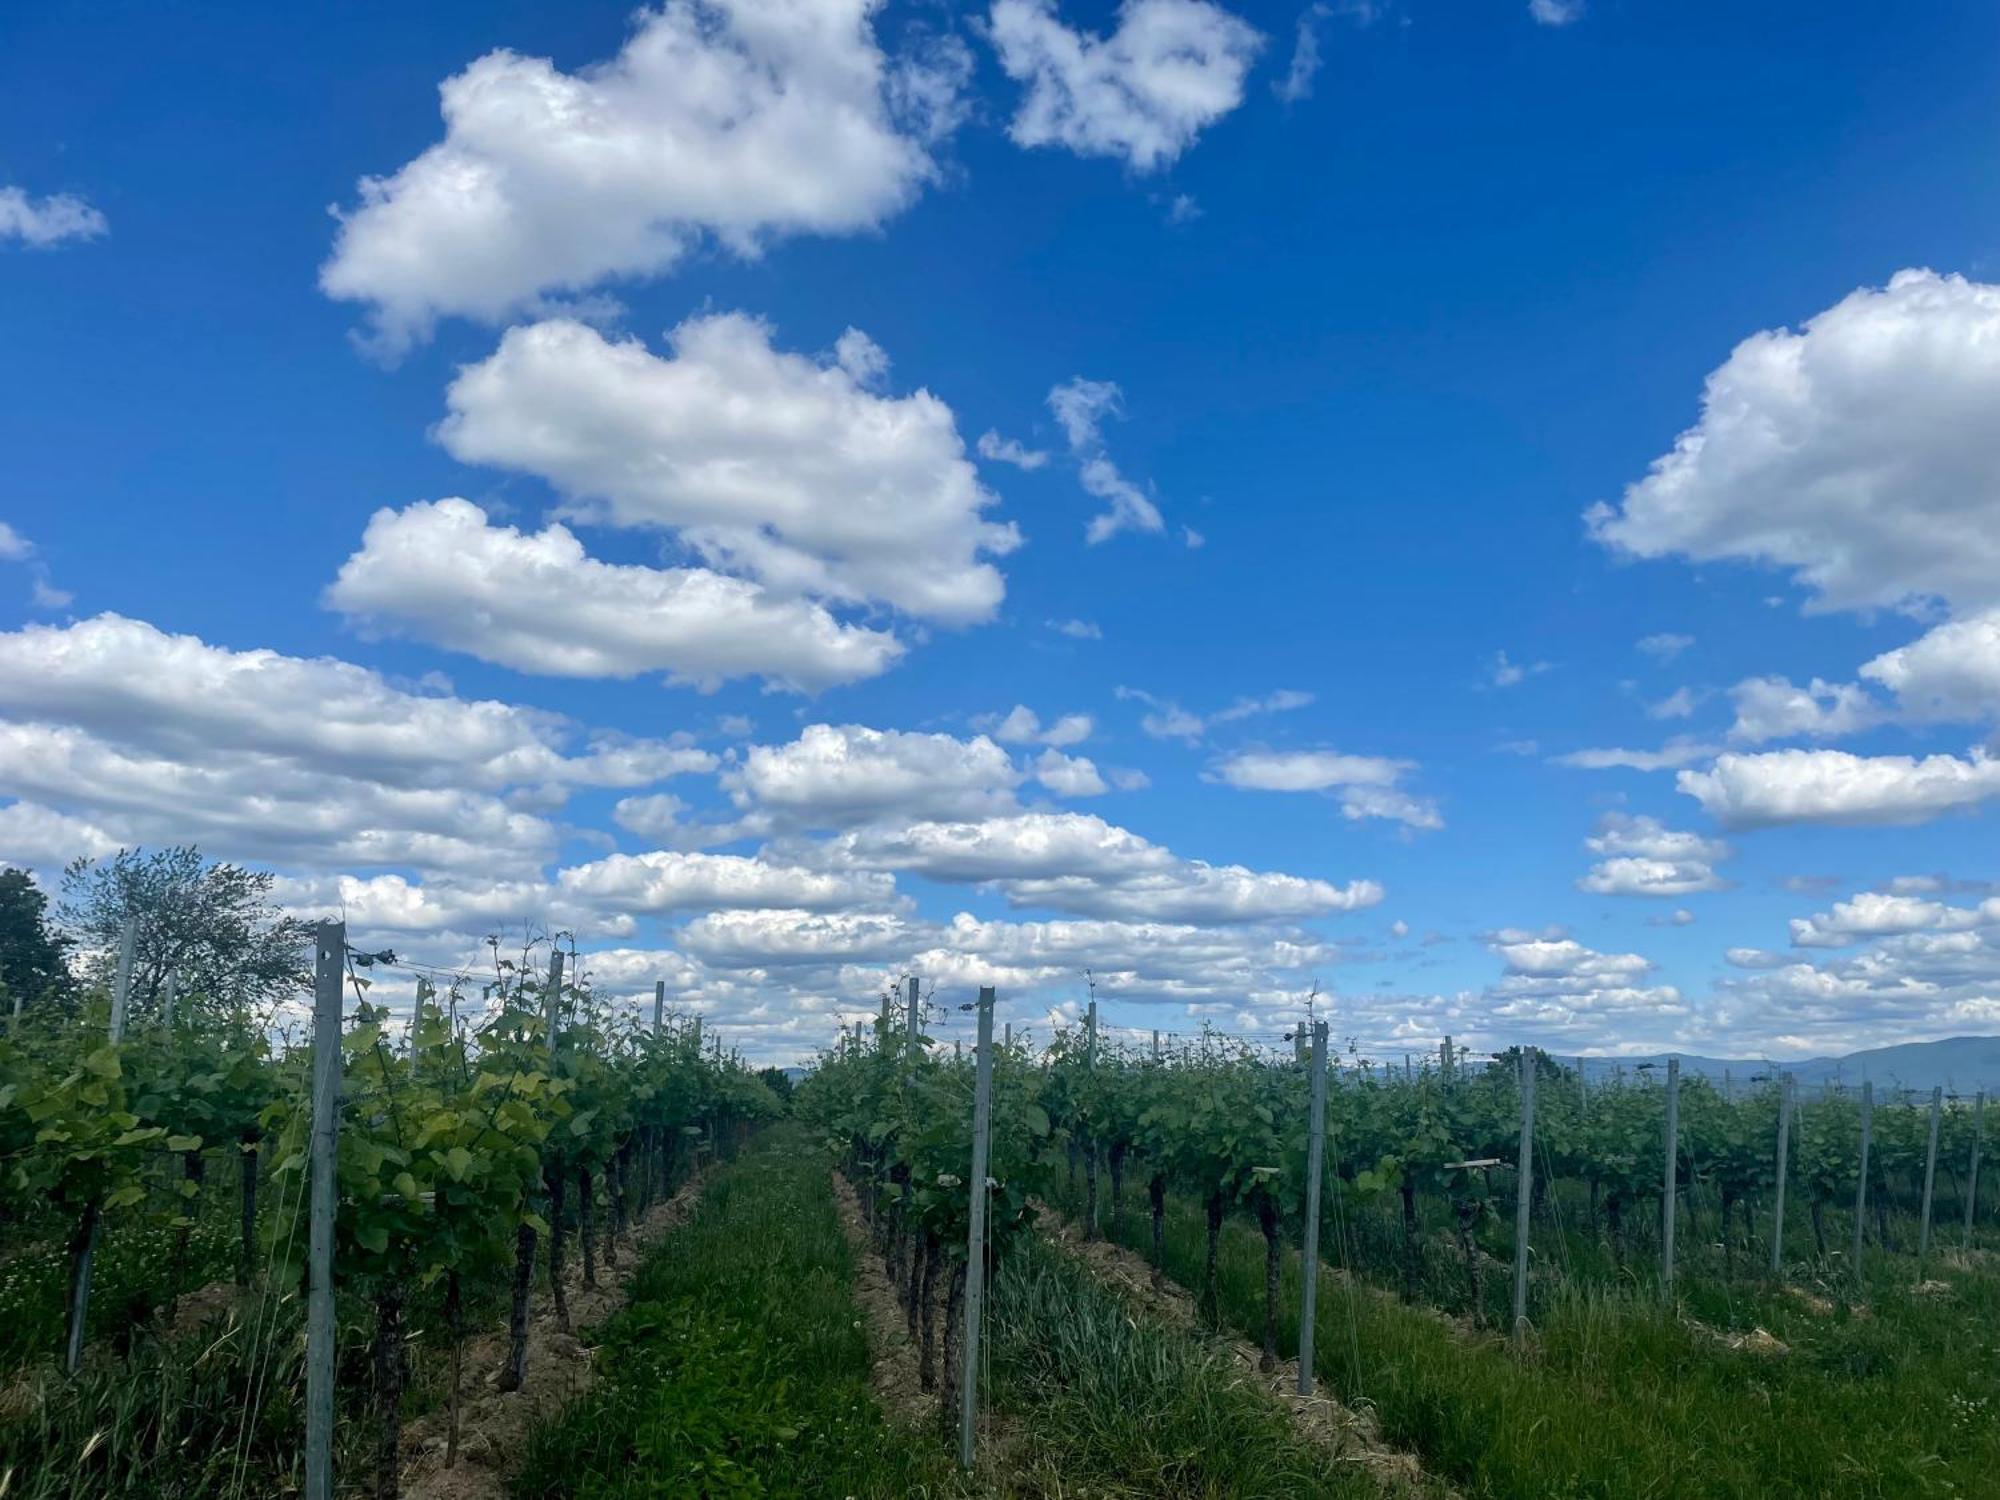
x=128, y=1282
x=216, y=1414
x=1106, y=1405
x=1622, y=1397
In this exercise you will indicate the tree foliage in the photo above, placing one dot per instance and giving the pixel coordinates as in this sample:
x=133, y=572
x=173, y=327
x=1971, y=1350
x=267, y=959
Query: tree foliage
x=211, y=925
x=34, y=958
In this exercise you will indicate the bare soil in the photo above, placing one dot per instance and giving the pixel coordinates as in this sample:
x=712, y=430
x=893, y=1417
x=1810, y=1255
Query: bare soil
x=493, y=1425
x=892, y=1354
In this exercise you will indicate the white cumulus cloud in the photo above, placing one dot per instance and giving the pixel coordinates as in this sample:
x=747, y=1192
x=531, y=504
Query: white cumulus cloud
x=1952, y=673
x=1081, y=406
x=1366, y=785
x=730, y=120
x=442, y=572
x=1008, y=450
x=1021, y=725
x=1643, y=857
x=838, y=776
x=1775, y=708
x=1069, y=775
x=1143, y=94
x=775, y=466
x=40, y=223
x=1079, y=863
x=1834, y=786
x=1857, y=452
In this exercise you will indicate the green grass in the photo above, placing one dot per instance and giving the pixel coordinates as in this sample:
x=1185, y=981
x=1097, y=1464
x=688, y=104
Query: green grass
x=215, y=1415
x=1621, y=1398
x=1106, y=1405
x=740, y=1366
x=128, y=1275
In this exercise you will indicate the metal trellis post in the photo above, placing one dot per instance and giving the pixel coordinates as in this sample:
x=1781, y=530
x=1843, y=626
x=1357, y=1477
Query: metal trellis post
x=1861, y=1180
x=1670, y=1188
x=975, y=1249
x=1930, y=1180
x=554, y=1005
x=121, y=990
x=79, y=1291
x=1315, y=1170
x=1524, y=1193
x=330, y=954
x=1972, y=1177
x=1784, y=1154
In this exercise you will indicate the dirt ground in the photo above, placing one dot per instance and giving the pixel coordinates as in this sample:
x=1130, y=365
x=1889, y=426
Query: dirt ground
x=892, y=1353
x=493, y=1425
x=1352, y=1435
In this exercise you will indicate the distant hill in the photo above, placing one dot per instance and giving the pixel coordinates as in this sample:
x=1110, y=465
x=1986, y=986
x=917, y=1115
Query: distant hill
x=1960, y=1064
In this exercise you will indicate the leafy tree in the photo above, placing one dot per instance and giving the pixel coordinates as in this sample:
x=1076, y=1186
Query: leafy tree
x=211, y=925
x=34, y=960
x=778, y=1081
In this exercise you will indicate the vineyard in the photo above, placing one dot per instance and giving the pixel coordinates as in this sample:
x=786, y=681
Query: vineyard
x=1585, y=1326
x=568, y=1249
x=158, y=1171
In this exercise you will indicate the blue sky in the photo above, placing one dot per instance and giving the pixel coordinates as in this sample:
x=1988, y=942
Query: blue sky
x=1333, y=346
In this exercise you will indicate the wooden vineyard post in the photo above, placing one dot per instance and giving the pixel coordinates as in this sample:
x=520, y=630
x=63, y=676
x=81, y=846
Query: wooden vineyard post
x=330, y=956
x=1930, y=1181
x=975, y=1247
x=1784, y=1152
x=1007, y=1040
x=1524, y=1193
x=1156, y=1044
x=1300, y=1044
x=1315, y=1170
x=79, y=1290
x=1972, y=1176
x=910, y=1037
x=1670, y=1187
x=1444, y=1061
x=1861, y=1180
x=659, y=1006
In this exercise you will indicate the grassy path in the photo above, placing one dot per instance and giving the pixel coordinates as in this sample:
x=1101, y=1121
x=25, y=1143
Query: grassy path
x=1622, y=1399
x=741, y=1367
